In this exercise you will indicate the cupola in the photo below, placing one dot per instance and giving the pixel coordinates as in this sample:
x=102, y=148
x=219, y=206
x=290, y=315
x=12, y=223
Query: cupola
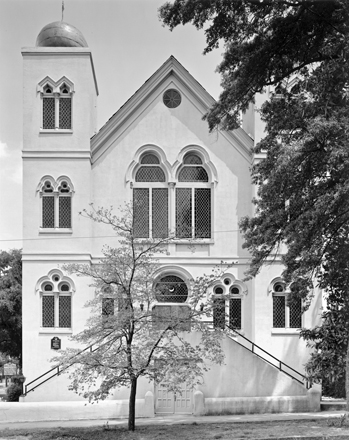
x=60, y=34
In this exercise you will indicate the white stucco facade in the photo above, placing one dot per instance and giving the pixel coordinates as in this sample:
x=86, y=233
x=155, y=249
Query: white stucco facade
x=100, y=168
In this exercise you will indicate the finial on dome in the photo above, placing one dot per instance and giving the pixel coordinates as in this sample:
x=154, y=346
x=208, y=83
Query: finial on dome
x=60, y=34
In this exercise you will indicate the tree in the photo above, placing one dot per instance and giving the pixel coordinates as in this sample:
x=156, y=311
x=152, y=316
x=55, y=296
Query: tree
x=130, y=338
x=265, y=41
x=11, y=303
x=303, y=182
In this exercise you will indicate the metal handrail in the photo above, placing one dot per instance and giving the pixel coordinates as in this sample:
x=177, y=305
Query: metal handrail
x=304, y=380
x=59, y=371
x=308, y=383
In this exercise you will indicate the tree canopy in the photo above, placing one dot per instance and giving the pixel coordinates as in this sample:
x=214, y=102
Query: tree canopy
x=11, y=303
x=131, y=337
x=264, y=42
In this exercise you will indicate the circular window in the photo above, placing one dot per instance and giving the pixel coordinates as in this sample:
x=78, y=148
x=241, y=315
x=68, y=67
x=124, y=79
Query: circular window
x=56, y=278
x=64, y=288
x=172, y=98
x=279, y=287
x=218, y=290
x=227, y=281
x=171, y=289
x=234, y=290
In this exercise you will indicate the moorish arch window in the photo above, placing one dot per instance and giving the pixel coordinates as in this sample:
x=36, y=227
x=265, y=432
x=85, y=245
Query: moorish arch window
x=228, y=304
x=285, y=315
x=150, y=199
x=56, y=301
x=171, y=288
x=56, y=212
x=171, y=310
x=193, y=199
x=56, y=109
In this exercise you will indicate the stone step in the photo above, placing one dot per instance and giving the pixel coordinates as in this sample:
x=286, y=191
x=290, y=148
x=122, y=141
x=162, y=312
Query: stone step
x=333, y=405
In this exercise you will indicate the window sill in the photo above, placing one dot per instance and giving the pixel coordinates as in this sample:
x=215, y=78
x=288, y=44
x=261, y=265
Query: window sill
x=285, y=331
x=55, y=231
x=57, y=130
x=55, y=330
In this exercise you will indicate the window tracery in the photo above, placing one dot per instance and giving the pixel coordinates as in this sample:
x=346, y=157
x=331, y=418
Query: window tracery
x=56, y=109
x=56, y=212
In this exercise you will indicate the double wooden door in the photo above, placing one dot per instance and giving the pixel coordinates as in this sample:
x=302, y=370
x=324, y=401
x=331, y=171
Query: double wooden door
x=168, y=402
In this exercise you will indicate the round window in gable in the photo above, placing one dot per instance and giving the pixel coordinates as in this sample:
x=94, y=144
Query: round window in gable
x=172, y=98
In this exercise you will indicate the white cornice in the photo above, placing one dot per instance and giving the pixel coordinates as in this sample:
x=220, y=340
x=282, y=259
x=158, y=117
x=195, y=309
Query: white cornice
x=59, y=51
x=83, y=154
x=61, y=258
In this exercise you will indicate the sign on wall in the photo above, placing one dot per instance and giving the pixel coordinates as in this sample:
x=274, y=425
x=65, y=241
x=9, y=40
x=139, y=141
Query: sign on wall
x=55, y=343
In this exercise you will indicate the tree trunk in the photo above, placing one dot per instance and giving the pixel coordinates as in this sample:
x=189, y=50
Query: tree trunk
x=132, y=405
x=347, y=379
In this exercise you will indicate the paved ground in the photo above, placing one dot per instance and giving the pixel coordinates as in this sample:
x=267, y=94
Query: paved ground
x=172, y=420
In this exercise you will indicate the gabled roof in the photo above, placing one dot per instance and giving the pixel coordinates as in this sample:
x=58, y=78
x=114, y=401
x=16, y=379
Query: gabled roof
x=170, y=67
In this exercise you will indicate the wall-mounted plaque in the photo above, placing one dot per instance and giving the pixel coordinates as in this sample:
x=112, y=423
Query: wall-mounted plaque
x=55, y=343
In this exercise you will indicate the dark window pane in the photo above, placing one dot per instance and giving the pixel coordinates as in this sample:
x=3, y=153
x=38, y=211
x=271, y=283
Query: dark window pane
x=279, y=312
x=65, y=113
x=296, y=314
x=149, y=159
x=235, y=313
x=48, y=311
x=150, y=174
x=107, y=306
x=65, y=311
x=171, y=289
x=48, y=117
x=160, y=212
x=192, y=159
x=65, y=212
x=193, y=174
x=219, y=313
x=183, y=213
x=203, y=213
x=141, y=212
x=48, y=212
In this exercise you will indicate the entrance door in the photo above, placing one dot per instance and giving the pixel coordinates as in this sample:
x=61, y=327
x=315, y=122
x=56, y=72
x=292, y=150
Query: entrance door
x=169, y=403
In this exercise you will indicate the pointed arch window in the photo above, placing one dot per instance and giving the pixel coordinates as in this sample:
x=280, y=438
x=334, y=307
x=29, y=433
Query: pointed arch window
x=150, y=199
x=193, y=199
x=56, y=303
x=227, y=305
x=56, y=209
x=56, y=104
x=285, y=315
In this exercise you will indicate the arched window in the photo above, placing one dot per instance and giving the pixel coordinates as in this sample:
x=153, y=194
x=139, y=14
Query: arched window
x=284, y=315
x=150, y=199
x=64, y=205
x=171, y=288
x=56, y=203
x=56, y=104
x=227, y=304
x=168, y=290
x=193, y=199
x=56, y=304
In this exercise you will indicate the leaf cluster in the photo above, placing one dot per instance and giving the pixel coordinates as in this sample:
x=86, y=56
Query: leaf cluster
x=11, y=303
x=264, y=42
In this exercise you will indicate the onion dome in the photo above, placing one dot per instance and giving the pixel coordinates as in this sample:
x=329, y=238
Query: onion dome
x=60, y=34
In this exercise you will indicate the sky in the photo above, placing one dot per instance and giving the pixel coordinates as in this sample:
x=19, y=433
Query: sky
x=128, y=44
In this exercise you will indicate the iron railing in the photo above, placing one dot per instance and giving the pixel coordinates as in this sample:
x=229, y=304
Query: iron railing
x=272, y=360
x=252, y=347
